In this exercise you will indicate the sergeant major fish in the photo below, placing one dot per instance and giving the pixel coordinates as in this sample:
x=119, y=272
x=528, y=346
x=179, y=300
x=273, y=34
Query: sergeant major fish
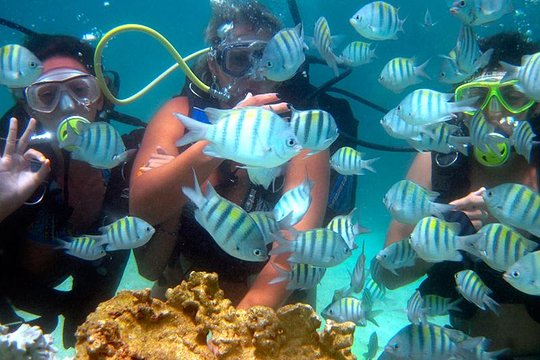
x=316, y=130
x=324, y=43
x=347, y=228
x=526, y=74
x=129, y=232
x=478, y=12
x=348, y=161
x=397, y=255
x=83, y=247
x=301, y=276
x=283, y=55
x=251, y=135
x=400, y=73
x=19, y=67
x=469, y=284
x=357, y=53
x=377, y=20
x=295, y=202
x=229, y=225
x=98, y=143
x=524, y=275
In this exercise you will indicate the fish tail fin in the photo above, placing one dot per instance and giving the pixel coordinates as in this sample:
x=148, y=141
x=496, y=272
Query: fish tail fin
x=420, y=70
x=284, y=245
x=511, y=71
x=483, y=60
x=491, y=304
x=283, y=274
x=332, y=61
x=438, y=209
x=464, y=105
x=197, y=130
x=194, y=194
x=367, y=164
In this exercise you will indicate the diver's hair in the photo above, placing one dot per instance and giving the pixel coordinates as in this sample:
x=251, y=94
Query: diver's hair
x=46, y=46
x=508, y=47
x=247, y=12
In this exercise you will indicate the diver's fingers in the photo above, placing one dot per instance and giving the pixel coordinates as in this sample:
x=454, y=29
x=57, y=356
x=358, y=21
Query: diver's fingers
x=22, y=144
x=11, y=140
x=44, y=170
x=471, y=201
x=144, y=169
x=32, y=154
x=161, y=157
x=278, y=108
x=258, y=100
x=479, y=192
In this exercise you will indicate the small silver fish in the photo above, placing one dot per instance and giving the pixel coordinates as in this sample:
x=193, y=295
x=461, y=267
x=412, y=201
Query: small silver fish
x=357, y=53
x=316, y=130
x=295, y=202
x=522, y=139
x=416, y=309
x=439, y=306
x=347, y=228
x=526, y=74
x=397, y=255
x=18, y=66
x=478, y=12
x=324, y=44
x=350, y=309
x=348, y=161
x=377, y=20
x=469, y=284
x=524, y=275
x=428, y=21
x=129, y=232
x=400, y=129
x=83, y=247
x=515, y=205
x=301, y=276
x=373, y=346
x=401, y=72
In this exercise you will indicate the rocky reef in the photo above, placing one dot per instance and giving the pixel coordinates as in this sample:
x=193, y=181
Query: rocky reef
x=26, y=343
x=134, y=325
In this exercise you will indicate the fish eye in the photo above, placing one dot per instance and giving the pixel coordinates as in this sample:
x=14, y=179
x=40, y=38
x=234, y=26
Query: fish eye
x=398, y=108
x=257, y=252
x=269, y=64
x=462, y=3
x=291, y=142
x=395, y=346
x=357, y=17
x=33, y=64
x=515, y=274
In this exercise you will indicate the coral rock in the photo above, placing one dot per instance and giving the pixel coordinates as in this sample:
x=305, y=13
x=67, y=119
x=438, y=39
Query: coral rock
x=196, y=314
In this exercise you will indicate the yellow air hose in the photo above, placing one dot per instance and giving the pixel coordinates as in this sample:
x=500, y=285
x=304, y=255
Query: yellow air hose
x=180, y=62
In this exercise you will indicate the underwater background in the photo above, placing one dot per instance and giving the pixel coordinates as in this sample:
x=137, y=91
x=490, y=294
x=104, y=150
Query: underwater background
x=139, y=59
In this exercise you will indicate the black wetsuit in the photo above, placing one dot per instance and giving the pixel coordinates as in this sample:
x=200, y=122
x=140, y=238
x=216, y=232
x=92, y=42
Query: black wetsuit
x=37, y=226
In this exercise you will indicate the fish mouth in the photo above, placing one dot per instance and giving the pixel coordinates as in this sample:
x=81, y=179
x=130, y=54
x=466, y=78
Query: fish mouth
x=454, y=10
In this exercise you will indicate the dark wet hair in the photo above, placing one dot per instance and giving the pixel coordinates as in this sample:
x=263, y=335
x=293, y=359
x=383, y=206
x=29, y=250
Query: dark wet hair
x=508, y=47
x=247, y=12
x=46, y=46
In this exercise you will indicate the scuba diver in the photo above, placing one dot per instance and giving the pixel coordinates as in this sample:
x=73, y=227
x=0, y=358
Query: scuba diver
x=74, y=199
x=460, y=180
x=233, y=31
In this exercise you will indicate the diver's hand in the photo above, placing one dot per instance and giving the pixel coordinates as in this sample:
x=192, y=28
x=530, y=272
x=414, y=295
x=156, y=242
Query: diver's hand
x=474, y=207
x=17, y=180
x=157, y=159
x=264, y=100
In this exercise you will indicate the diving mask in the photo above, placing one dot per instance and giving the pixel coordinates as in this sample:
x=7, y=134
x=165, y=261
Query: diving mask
x=488, y=86
x=239, y=59
x=45, y=94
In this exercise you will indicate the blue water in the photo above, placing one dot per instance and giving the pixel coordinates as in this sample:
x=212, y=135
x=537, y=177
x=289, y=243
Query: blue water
x=139, y=59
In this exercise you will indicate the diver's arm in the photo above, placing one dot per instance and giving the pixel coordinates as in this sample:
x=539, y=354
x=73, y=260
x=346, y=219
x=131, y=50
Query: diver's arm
x=318, y=170
x=420, y=173
x=156, y=195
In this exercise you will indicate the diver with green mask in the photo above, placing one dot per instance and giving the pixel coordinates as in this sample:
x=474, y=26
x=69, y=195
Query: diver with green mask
x=461, y=181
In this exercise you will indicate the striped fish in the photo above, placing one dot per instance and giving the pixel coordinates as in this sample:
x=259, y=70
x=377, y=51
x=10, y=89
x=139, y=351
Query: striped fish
x=98, y=143
x=483, y=135
x=524, y=275
x=375, y=291
x=469, y=284
x=252, y=136
x=416, y=309
x=324, y=44
x=283, y=55
x=83, y=247
x=316, y=130
x=229, y=225
x=377, y=20
x=267, y=224
x=347, y=228
x=129, y=232
x=409, y=202
x=301, y=276
x=528, y=75
x=501, y=246
x=425, y=107
x=317, y=247
x=436, y=305
x=358, y=277
x=421, y=342
x=18, y=66
x=436, y=240
x=401, y=72
x=397, y=255
x=441, y=140
x=350, y=309
x=400, y=129
x=449, y=72
x=294, y=204
x=478, y=12
x=357, y=53
x=469, y=58
x=522, y=139
x=515, y=205
x=348, y=161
